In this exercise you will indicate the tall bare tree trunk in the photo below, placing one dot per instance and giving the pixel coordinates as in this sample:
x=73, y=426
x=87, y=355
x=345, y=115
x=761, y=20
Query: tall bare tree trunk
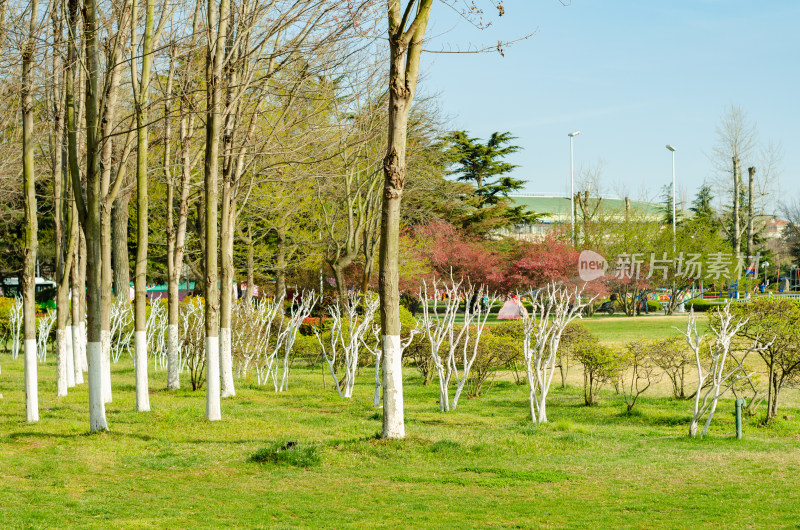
x=405, y=44
x=83, y=337
x=90, y=216
x=280, y=266
x=175, y=258
x=226, y=276
x=751, y=174
x=107, y=124
x=28, y=283
x=175, y=236
x=226, y=291
x=217, y=28
x=341, y=282
x=140, y=88
x=736, y=240
x=248, y=293
x=372, y=234
x=64, y=240
x=78, y=273
x=120, y=214
x=78, y=287
x=226, y=220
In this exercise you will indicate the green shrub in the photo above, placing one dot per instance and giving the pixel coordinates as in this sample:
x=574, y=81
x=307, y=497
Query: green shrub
x=601, y=364
x=701, y=306
x=493, y=352
x=511, y=329
x=5, y=317
x=575, y=335
x=288, y=453
x=307, y=347
x=418, y=351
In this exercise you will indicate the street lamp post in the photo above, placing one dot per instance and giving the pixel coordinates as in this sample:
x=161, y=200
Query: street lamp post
x=672, y=150
x=572, y=135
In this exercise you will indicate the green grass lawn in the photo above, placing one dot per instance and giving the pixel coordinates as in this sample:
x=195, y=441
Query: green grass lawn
x=484, y=465
x=619, y=329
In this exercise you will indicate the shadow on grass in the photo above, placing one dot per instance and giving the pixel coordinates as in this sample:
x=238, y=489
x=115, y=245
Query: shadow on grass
x=45, y=435
x=78, y=435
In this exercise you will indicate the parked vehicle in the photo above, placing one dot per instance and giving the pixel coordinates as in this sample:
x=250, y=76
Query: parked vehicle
x=45, y=291
x=606, y=307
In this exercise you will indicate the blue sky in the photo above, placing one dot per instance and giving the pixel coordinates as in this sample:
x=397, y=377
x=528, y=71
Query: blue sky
x=632, y=76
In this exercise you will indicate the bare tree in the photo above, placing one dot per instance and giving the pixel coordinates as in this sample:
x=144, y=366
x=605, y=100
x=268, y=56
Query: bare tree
x=78, y=256
x=714, y=378
x=738, y=146
x=65, y=237
x=28, y=282
x=140, y=82
x=217, y=24
x=554, y=307
x=407, y=22
x=672, y=356
x=441, y=330
x=264, y=39
x=89, y=211
x=638, y=372
x=186, y=80
x=348, y=329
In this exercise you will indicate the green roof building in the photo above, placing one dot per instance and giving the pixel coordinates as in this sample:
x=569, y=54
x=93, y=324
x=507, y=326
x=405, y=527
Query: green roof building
x=555, y=211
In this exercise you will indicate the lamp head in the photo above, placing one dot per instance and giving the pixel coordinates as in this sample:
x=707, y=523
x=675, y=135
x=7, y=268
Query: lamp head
x=573, y=134
x=670, y=148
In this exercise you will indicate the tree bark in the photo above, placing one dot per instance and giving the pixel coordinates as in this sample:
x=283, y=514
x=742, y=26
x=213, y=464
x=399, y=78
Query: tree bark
x=78, y=306
x=64, y=234
x=405, y=50
x=78, y=273
x=140, y=88
x=120, y=214
x=176, y=235
x=751, y=174
x=248, y=294
x=65, y=371
x=28, y=283
x=226, y=286
x=217, y=28
x=107, y=121
x=771, y=376
x=736, y=199
x=90, y=216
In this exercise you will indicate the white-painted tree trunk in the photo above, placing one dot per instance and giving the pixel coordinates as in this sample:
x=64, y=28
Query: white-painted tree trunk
x=31, y=388
x=299, y=312
x=713, y=377
x=77, y=358
x=70, y=356
x=173, y=357
x=553, y=308
x=213, y=409
x=97, y=408
x=376, y=398
x=393, y=424
x=105, y=338
x=15, y=321
x=226, y=363
x=348, y=339
x=142, y=390
x=61, y=364
x=543, y=408
x=82, y=346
